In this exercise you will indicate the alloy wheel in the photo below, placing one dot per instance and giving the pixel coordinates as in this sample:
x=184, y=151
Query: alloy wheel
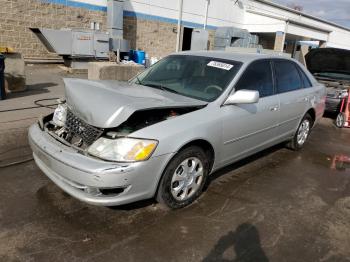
x=339, y=122
x=303, y=132
x=187, y=179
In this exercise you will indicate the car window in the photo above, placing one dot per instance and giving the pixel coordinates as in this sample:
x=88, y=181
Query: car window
x=258, y=77
x=306, y=80
x=287, y=77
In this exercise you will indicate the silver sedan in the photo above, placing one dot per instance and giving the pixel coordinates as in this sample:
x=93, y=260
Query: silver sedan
x=162, y=134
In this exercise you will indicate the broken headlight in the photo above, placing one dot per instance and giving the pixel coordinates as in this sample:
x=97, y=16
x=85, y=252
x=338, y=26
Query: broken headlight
x=123, y=149
x=60, y=115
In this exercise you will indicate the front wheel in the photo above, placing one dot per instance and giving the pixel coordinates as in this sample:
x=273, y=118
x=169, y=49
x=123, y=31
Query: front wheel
x=301, y=134
x=184, y=178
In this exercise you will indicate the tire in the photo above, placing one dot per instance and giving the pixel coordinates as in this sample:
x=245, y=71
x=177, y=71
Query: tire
x=181, y=185
x=340, y=120
x=301, y=134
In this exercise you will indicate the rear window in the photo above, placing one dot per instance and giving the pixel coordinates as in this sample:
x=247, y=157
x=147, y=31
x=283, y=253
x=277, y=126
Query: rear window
x=287, y=76
x=305, y=79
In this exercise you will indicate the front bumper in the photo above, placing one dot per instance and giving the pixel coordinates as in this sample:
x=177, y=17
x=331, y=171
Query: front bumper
x=85, y=178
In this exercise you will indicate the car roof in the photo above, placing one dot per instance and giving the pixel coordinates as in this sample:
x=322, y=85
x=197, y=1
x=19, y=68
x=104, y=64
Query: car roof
x=239, y=57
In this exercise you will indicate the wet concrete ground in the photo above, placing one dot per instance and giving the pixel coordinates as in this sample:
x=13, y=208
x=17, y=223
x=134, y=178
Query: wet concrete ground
x=278, y=205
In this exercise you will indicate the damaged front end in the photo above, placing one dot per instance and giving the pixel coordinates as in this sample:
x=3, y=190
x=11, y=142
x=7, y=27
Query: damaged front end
x=111, y=144
x=64, y=126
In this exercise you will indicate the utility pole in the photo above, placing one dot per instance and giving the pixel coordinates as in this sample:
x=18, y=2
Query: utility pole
x=207, y=3
x=179, y=20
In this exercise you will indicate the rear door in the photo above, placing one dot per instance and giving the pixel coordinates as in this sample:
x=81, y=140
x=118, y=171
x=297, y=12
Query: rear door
x=247, y=128
x=292, y=96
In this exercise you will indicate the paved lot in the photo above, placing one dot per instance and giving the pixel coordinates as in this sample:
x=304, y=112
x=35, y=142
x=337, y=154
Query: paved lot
x=276, y=206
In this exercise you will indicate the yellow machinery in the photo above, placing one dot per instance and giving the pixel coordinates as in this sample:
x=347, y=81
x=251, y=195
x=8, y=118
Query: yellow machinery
x=5, y=49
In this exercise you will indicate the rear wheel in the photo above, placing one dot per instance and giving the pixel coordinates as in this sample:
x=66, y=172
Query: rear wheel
x=184, y=178
x=340, y=120
x=301, y=134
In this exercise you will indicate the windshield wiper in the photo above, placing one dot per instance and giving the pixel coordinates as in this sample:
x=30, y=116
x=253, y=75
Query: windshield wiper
x=138, y=80
x=161, y=87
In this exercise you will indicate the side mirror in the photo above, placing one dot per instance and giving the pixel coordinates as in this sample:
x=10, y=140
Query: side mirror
x=243, y=97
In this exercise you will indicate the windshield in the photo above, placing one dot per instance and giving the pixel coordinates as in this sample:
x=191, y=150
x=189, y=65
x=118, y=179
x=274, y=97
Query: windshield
x=197, y=77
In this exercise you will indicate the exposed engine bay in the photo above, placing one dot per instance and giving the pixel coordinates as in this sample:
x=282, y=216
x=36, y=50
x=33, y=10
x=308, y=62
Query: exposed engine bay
x=336, y=88
x=69, y=129
x=142, y=119
x=331, y=67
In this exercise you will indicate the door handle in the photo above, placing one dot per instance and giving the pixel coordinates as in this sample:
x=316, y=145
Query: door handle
x=274, y=108
x=306, y=99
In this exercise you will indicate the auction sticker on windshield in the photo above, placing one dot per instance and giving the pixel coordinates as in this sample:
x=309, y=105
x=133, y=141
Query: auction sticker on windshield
x=220, y=65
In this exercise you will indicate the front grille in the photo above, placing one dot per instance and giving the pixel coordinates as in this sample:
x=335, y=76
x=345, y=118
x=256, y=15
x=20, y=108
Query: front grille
x=77, y=127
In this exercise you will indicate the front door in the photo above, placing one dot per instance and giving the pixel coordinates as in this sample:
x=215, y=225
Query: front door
x=248, y=128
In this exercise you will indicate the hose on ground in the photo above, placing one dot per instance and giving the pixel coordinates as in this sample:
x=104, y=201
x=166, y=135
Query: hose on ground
x=17, y=163
x=37, y=105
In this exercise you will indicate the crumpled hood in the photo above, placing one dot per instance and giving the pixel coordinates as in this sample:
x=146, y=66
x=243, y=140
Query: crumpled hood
x=107, y=104
x=328, y=60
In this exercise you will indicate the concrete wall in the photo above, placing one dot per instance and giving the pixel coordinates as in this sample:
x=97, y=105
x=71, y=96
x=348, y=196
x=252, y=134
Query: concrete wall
x=257, y=23
x=221, y=12
x=279, y=41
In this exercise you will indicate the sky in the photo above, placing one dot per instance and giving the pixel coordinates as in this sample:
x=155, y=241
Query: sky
x=337, y=11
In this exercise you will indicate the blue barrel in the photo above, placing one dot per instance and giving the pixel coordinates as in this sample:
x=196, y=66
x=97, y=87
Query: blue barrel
x=139, y=57
x=2, y=78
